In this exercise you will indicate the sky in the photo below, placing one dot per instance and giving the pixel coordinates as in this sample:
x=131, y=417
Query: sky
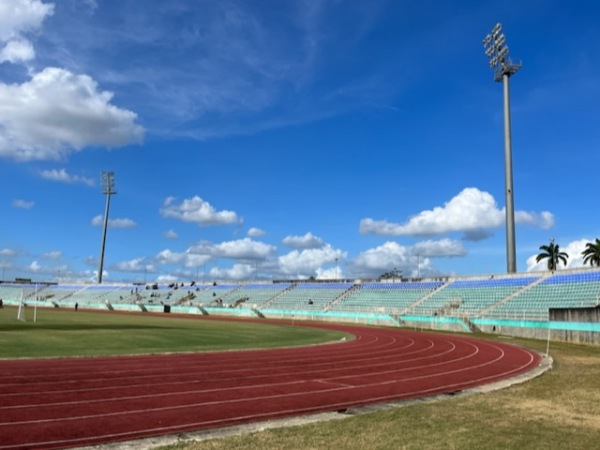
x=289, y=139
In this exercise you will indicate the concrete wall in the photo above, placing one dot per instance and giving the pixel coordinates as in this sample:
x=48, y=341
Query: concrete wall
x=580, y=316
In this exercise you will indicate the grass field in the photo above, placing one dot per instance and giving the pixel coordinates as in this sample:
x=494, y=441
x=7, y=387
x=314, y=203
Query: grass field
x=559, y=410
x=68, y=333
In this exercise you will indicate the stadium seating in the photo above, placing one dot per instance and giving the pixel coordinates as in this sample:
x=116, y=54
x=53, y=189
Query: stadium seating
x=570, y=290
x=469, y=297
x=310, y=296
x=521, y=296
x=393, y=298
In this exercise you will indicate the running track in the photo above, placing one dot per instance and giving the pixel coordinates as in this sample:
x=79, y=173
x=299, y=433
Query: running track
x=62, y=403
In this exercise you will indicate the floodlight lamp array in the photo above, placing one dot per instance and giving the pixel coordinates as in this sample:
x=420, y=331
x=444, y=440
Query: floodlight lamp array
x=497, y=50
x=108, y=183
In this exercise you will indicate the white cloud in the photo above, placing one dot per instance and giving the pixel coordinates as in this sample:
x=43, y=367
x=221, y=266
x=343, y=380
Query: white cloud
x=170, y=257
x=374, y=262
x=166, y=279
x=134, y=265
x=63, y=176
x=22, y=16
x=197, y=211
x=171, y=234
x=35, y=267
x=543, y=220
x=331, y=273
x=193, y=260
x=7, y=252
x=58, y=112
x=383, y=258
x=17, y=50
x=114, y=223
x=309, y=240
x=23, y=204
x=236, y=272
x=188, y=259
x=472, y=211
x=55, y=112
x=256, y=232
x=307, y=261
x=575, y=259
x=239, y=249
x=443, y=247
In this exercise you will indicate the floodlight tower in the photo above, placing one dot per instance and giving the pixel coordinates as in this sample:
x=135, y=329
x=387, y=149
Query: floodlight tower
x=503, y=67
x=108, y=189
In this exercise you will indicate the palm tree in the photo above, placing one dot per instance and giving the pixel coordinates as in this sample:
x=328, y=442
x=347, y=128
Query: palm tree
x=554, y=255
x=592, y=253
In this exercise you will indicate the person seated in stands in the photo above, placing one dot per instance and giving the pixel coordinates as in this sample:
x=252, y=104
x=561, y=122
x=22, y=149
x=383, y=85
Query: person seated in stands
x=310, y=302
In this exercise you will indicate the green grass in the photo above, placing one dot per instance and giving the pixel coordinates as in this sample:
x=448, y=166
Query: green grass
x=558, y=410
x=68, y=333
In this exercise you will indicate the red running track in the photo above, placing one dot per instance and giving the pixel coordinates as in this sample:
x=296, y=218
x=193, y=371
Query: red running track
x=62, y=403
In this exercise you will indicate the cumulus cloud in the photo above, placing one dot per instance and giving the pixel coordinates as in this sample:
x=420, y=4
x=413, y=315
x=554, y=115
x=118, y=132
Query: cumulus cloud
x=197, y=211
x=389, y=256
x=58, y=112
x=385, y=257
x=309, y=240
x=164, y=279
x=63, y=176
x=54, y=112
x=330, y=273
x=442, y=247
x=235, y=272
x=134, y=265
x=114, y=223
x=543, y=220
x=307, y=261
x=187, y=259
x=239, y=249
x=575, y=259
x=18, y=18
x=256, y=232
x=170, y=257
x=7, y=252
x=22, y=16
x=35, y=267
x=17, y=50
x=472, y=212
x=23, y=204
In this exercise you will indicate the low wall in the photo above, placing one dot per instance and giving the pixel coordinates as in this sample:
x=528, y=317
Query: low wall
x=558, y=330
x=587, y=329
x=580, y=325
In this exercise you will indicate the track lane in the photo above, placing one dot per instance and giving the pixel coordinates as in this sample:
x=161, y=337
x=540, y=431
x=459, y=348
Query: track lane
x=48, y=404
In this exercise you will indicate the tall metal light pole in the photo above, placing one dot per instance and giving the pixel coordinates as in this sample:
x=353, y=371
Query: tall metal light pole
x=503, y=67
x=108, y=189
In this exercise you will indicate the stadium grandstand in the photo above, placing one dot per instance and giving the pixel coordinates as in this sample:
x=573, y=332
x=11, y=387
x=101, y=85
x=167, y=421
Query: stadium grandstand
x=518, y=304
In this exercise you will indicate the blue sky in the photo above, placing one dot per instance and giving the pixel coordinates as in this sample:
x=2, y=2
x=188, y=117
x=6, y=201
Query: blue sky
x=288, y=139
